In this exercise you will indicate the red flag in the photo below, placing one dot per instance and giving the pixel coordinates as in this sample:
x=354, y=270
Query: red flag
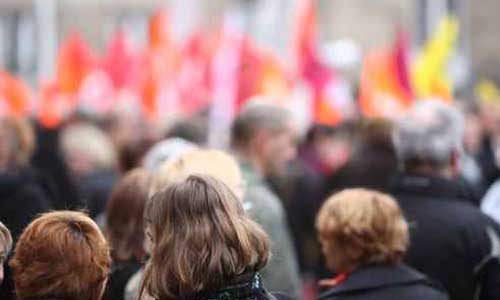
x=330, y=94
x=123, y=62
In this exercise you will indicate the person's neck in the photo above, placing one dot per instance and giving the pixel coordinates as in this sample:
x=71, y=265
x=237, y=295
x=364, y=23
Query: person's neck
x=253, y=161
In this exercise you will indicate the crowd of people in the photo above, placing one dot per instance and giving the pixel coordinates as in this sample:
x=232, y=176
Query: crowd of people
x=115, y=209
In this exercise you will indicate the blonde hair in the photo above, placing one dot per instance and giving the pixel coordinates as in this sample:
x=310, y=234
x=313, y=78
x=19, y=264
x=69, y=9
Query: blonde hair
x=359, y=226
x=90, y=141
x=6, y=238
x=21, y=137
x=201, y=237
x=210, y=162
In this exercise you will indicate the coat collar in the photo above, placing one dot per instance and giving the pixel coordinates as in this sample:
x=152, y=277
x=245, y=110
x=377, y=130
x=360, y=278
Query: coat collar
x=421, y=185
x=373, y=277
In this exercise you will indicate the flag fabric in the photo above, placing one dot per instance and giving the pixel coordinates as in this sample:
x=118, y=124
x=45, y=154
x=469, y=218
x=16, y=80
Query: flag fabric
x=331, y=96
x=74, y=62
x=385, y=89
x=429, y=69
x=15, y=96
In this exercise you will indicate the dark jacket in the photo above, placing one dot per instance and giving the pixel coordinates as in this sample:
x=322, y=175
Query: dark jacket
x=23, y=195
x=120, y=275
x=245, y=287
x=450, y=240
x=398, y=282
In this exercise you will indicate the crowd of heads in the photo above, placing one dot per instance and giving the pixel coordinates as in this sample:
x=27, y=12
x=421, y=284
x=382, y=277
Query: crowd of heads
x=179, y=205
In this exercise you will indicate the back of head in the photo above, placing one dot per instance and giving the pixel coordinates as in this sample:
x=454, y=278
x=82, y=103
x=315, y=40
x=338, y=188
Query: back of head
x=359, y=227
x=209, y=162
x=201, y=239
x=124, y=215
x=166, y=150
x=61, y=255
x=256, y=116
x=17, y=142
x=88, y=148
x=428, y=135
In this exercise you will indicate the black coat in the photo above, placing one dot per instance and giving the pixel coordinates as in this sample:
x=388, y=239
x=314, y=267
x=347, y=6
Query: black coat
x=23, y=195
x=450, y=240
x=118, y=279
x=245, y=287
x=377, y=282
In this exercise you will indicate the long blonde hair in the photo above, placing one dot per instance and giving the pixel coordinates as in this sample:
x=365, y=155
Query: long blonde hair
x=201, y=238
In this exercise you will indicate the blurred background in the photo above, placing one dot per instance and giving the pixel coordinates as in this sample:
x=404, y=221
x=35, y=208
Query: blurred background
x=31, y=31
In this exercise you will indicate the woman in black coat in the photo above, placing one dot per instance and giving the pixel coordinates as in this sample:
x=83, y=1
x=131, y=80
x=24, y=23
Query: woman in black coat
x=364, y=238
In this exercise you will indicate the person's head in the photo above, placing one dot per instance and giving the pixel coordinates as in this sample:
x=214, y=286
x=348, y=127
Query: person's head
x=429, y=139
x=166, y=150
x=5, y=247
x=265, y=135
x=193, y=130
x=124, y=216
x=201, y=239
x=87, y=149
x=61, y=255
x=17, y=142
x=209, y=162
x=357, y=227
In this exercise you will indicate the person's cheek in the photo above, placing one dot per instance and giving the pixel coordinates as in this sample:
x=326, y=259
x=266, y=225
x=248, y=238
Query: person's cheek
x=1, y=274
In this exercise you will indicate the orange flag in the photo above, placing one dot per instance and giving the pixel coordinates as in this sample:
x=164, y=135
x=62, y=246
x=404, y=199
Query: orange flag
x=385, y=89
x=74, y=62
x=15, y=95
x=331, y=95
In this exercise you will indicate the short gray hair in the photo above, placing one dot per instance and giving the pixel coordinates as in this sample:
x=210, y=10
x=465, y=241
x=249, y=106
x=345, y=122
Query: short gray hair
x=430, y=132
x=257, y=115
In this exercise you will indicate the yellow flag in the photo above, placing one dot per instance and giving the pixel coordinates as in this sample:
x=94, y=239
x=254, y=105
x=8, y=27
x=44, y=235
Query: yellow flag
x=429, y=70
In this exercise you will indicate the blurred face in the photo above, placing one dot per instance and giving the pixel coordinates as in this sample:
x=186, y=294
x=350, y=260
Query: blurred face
x=490, y=117
x=277, y=150
x=473, y=133
x=336, y=261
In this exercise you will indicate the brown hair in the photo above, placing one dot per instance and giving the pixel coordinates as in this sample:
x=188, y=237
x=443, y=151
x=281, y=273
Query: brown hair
x=201, y=239
x=124, y=214
x=62, y=255
x=359, y=226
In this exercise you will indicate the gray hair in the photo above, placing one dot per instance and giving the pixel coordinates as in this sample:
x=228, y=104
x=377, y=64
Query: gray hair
x=255, y=116
x=428, y=134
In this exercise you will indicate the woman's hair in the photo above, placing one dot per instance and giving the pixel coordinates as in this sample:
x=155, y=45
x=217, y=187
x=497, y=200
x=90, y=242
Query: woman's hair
x=5, y=239
x=124, y=214
x=359, y=226
x=61, y=255
x=201, y=239
x=210, y=162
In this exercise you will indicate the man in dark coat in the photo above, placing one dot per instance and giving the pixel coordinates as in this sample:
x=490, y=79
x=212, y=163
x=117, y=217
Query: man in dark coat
x=451, y=240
